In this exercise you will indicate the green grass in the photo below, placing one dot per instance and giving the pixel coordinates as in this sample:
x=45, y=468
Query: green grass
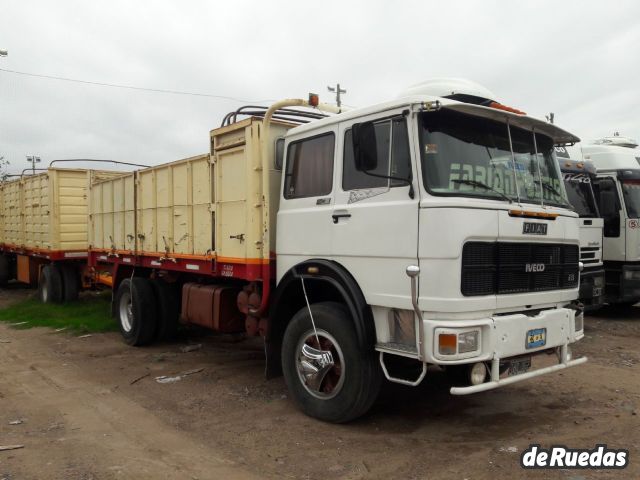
x=91, y=313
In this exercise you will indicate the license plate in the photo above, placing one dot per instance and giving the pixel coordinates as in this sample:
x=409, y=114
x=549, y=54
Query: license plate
x=536, y=337
x=597, y=291
x=519, y=366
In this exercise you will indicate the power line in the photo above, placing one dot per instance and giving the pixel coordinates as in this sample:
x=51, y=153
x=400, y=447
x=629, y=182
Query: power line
x=131, y=87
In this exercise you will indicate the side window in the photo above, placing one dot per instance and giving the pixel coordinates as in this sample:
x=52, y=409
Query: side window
x=609, y=205
x=394, y=159
x=310, y=167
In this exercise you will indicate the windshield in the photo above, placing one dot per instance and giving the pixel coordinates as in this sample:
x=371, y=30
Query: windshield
x=469, y=156
x=631, y=192
x=580, y=194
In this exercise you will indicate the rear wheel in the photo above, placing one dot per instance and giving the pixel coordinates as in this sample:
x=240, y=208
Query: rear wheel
x=136, y=311
x=5, y=270
x=168, y=303
x=50, y=284
x=329, y=376
x=70, y=282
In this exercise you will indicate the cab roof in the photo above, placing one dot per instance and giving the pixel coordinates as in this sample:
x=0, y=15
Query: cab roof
x=558, y=135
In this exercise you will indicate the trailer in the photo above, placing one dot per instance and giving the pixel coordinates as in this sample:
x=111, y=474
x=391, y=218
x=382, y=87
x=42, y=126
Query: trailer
x=361, y=245
x=44, y=232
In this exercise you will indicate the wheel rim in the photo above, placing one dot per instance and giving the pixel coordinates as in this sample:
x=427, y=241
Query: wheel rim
x=126, y=312
x=322, y=379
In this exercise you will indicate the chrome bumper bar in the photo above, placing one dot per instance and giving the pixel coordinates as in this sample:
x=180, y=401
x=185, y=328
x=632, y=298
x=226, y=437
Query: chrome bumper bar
x=497, y=382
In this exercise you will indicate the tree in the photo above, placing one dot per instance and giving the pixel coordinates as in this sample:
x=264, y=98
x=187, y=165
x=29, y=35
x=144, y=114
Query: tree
x=3, y=169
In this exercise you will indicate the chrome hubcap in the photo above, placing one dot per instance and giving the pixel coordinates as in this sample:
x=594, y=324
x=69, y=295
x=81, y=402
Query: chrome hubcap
x=126, y=312
x=320, y=364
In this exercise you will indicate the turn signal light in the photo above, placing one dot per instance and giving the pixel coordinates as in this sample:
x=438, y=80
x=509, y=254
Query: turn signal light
x=500, y=106
x=447, y=343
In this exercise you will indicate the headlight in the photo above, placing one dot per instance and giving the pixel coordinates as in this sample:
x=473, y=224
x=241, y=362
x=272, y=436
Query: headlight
x=454, y=343
x=598, y=281
x=468, y=341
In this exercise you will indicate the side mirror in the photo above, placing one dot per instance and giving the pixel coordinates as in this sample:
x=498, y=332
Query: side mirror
x=364, y=146
x=608, y=208
x=279, y=153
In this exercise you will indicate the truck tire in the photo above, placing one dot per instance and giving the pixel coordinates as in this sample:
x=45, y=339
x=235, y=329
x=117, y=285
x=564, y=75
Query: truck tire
x=136, y=311
x=349, y=388
x=5, y=271
x=168, y=303
x=50, y=284
x=70, y=282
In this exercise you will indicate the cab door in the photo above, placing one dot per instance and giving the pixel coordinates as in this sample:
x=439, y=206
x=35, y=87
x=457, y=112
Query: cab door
x=306, y=204
x=374, y=219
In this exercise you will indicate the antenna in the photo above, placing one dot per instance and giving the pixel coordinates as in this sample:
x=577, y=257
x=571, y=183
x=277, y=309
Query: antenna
x=338, y=92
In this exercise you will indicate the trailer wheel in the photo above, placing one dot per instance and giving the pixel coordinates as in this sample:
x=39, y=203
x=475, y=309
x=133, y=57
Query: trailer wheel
x=168, y=303
x=70, y=282
x=5, y=271
x=337, y=392
x=50, y=284
x=136, y=311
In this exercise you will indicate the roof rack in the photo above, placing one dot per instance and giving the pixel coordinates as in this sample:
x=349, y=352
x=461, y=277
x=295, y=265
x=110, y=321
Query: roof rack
x=292, y=115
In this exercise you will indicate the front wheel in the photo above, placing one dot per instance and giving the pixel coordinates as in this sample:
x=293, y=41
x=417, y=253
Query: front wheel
x=327, y=372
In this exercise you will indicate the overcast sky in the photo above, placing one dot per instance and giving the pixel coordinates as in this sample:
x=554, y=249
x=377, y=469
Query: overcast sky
x=578, y=59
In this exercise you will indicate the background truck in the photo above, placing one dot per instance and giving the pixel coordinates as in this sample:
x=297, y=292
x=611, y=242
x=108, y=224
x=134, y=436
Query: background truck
x=433, y=229
x=617, y=160
x=579, y=177
x=44, y=231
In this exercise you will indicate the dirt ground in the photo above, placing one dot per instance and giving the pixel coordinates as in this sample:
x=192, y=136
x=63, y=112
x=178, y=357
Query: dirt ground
x=91, y=409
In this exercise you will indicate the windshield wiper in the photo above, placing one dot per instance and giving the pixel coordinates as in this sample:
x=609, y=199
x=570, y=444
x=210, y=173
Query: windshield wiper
x=550, y=188
x=473, y=183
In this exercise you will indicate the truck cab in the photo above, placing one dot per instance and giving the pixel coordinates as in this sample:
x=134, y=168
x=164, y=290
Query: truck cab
x=437, y=225
x=617, y=187
x=579, y=177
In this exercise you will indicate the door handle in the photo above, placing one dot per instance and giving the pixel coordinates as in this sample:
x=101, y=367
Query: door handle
x=337, y=216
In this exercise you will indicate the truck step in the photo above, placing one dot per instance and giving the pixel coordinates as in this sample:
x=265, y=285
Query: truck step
x=398, y=349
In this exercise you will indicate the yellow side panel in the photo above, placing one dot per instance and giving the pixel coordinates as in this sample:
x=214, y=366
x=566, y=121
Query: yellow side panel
x=70, y=209
x=12, y=193
x=36, y=212
x=167, y=197
x=1, y=213
x=231, y=203
x=108, y=202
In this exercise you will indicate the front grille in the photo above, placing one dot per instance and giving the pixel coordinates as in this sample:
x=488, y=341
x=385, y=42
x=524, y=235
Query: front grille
x=588, y=255
x=500, y=267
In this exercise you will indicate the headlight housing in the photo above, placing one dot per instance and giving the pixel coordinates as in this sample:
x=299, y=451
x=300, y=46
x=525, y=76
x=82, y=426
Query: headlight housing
x=455, y=344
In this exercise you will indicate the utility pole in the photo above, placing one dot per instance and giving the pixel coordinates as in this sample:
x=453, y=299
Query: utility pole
x=33, y=159
x=338, y=91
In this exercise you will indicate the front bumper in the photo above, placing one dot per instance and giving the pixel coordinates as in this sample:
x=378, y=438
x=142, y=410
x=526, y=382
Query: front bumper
x=504, y=337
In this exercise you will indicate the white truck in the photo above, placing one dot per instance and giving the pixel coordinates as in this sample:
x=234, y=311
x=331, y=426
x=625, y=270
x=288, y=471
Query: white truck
x=617, y=160
x=433, y=229
x=579, y=177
